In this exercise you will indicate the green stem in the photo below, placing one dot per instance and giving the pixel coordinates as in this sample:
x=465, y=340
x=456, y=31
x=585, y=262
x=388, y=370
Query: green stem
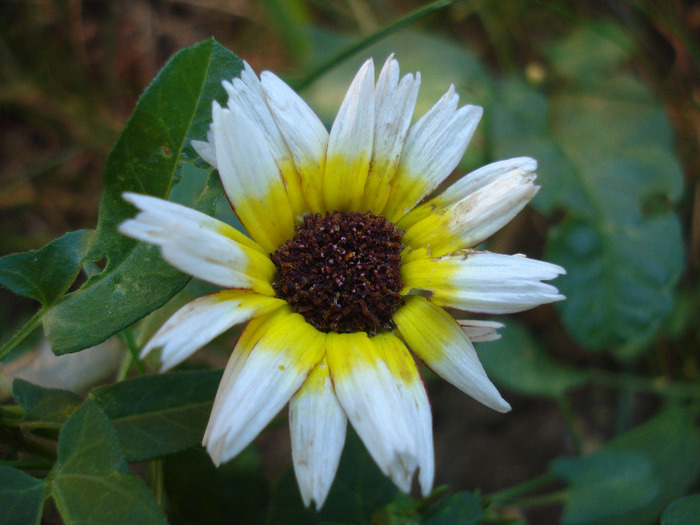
x=422, y=504
x=506, y=496
x=544, y=499
x=371, y=39
x=500, y=36
x=658, y=385
x=22, y=334
x=11, y=412
x=568, y=414
x=128, y=337
x=156, y=480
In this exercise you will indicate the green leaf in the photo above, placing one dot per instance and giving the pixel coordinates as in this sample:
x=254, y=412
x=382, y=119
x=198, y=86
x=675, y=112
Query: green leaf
x=402, y=510
x=463, y=508
x=605, y=152
x=147, y=158
x=620, y=283
x=159, y=414
x=359, y=490
x=671, y=441
x=91, y=483
x=44, y=275
x=47, y=273
x=636, y=475
x=199, y=492
x=517, y=362
x=684, y=511
x=21, y=497
x=606, y=485
x=44, y=407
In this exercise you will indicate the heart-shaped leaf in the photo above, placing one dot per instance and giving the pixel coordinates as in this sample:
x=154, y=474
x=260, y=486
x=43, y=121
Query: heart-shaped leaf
x=91, y=482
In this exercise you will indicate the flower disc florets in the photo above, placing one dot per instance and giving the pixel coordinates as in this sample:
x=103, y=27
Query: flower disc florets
x=342, y=271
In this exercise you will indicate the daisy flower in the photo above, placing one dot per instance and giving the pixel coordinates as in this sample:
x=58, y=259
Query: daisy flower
x=348, y=265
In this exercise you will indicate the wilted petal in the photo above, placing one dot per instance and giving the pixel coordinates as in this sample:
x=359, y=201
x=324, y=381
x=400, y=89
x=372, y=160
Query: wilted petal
x=480, y=331
x=472, y=209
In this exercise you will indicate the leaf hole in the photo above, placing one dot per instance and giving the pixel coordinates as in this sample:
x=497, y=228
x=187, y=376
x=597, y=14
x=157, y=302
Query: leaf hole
x=89, y=269
x=79, y=281
x=97, y=266
x=654, y=204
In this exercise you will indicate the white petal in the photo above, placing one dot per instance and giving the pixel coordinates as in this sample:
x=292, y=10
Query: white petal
x=467, y=185
x=317, y=425
x=247, y=95
x=378, y=386
x=251, y=178
x=440, y=342
x=485, y=282
x=393, y=110
x=304, y=133
x=433, y=148
x=350, y=144
x=416, y=405
x=271, y=361
x=203, y=319
x=484, y=176
x=494, y=197
x=200, y=245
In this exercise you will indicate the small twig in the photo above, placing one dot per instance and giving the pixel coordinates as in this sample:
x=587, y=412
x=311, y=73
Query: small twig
x=369, y=40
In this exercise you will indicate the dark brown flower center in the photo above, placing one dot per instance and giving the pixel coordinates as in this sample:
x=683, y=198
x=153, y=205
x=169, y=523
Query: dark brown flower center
x=342, y=271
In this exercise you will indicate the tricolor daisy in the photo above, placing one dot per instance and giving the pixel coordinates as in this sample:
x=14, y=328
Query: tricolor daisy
x=346, y=268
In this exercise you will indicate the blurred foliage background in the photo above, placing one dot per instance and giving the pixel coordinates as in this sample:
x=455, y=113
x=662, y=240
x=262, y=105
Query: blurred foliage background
x=606, y=96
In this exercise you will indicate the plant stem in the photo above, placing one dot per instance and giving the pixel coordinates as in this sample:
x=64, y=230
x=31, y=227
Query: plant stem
x=544, y=499
x=23, y=333
x=506, y=496
x=11, y=412
x=659, y=385
x=128, y=337
x=568, y=414
x=371, y=39
x=156, y=480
